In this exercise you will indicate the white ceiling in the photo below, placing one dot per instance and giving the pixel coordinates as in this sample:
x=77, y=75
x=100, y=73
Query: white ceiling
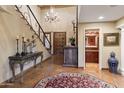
x=90, y=13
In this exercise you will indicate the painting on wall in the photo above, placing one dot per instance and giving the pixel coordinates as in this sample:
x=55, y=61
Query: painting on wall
x=91, y=41
x=111, y=39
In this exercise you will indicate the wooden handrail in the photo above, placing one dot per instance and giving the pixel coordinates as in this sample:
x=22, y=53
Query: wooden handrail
x=44, y=36
x=38, y=24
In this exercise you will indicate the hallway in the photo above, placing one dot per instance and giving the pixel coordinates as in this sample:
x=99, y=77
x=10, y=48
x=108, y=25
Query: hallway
x=54, y=66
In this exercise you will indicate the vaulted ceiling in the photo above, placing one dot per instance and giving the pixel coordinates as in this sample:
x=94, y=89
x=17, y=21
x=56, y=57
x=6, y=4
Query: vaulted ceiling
x=91, y=13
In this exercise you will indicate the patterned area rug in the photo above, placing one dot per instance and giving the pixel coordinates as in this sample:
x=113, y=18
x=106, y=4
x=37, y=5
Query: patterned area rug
x=72, y=80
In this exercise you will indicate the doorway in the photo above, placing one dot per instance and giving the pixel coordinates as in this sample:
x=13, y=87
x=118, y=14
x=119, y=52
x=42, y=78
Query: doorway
x=91, y=47
x=59, y=41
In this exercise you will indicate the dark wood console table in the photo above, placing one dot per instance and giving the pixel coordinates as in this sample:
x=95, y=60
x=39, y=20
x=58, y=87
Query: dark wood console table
x=21, y=60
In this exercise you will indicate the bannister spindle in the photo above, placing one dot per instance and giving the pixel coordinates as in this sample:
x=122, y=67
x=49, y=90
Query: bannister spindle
x=39, y=30
x=41, y=34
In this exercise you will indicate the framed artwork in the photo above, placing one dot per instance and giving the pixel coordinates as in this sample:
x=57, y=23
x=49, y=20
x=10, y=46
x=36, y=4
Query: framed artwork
x=91, y=41
x=111, y=39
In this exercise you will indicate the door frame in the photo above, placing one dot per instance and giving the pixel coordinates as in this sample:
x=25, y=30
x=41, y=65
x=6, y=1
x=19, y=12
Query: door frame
x=100, y=46
x=54, y=38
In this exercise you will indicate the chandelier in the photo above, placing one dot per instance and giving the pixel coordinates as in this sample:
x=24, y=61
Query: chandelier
x=51, y=16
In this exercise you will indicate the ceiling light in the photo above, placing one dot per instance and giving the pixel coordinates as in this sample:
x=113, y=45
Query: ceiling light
x=51, y=15
x=100, y=17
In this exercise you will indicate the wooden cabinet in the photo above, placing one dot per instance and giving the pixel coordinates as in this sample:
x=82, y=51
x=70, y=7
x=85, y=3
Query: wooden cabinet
x=71, y=56
x=92, y=56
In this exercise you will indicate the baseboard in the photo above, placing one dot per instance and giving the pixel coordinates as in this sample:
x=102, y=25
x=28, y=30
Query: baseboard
x=105, y=68
x=121, y=71
x=47, y=59
x=81, y=67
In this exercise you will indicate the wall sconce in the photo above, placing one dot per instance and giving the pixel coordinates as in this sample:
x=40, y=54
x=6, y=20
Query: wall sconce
x=74, y=25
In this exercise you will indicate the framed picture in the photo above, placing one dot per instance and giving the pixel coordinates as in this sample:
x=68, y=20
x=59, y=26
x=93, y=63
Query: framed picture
x=91, y=41
x=111, y=39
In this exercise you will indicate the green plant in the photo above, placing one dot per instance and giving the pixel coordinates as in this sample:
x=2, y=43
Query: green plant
x=72, y=40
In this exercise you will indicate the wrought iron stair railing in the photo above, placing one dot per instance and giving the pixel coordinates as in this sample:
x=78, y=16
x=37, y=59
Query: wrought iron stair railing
x=28, y=15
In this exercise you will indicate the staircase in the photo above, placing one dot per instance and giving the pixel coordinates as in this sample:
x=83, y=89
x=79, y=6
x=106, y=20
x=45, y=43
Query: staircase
x=32, y=21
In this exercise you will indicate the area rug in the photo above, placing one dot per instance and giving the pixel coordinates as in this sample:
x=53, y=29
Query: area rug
x=72, y=80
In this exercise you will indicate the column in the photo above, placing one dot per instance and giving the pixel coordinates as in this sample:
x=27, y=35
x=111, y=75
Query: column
x=122, y=50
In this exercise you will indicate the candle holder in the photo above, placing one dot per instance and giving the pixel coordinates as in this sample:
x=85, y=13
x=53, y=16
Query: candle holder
x=23, y=47
x=17, y=42
x=27, y=46
x=25, y=50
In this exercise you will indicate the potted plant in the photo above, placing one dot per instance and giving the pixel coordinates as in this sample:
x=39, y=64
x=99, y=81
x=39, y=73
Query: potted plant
x=72, y=41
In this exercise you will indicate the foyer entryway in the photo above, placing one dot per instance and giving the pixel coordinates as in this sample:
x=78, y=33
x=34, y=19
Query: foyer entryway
x=92, y=46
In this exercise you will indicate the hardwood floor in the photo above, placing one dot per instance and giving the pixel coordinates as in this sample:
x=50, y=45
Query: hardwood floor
x=54, y=66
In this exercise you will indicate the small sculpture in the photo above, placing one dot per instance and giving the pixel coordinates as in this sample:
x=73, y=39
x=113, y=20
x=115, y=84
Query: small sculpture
x=28, y=46
x=113, y=63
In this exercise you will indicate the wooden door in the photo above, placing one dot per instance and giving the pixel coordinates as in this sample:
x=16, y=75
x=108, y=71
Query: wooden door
x=59, y=41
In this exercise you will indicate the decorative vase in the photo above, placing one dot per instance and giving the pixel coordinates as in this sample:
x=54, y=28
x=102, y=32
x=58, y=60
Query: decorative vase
x=72, y=44
x=23, y=53
x=113, y=63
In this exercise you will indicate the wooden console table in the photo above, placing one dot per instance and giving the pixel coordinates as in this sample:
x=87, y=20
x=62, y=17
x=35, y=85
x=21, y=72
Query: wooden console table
x=71, y=56
x=21, y=60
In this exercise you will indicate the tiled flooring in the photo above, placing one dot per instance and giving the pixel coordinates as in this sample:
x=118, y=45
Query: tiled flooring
x=54, y=66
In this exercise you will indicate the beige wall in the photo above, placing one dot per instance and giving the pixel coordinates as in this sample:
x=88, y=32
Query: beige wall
x=108, y=27
x=66, y=15
x=12, y=25
x=120, y=22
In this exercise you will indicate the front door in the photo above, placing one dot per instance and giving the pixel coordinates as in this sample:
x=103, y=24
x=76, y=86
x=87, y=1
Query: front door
x=59, y=41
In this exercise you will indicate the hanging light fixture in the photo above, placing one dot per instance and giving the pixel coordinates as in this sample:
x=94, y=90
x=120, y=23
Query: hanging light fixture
x=51, y=15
